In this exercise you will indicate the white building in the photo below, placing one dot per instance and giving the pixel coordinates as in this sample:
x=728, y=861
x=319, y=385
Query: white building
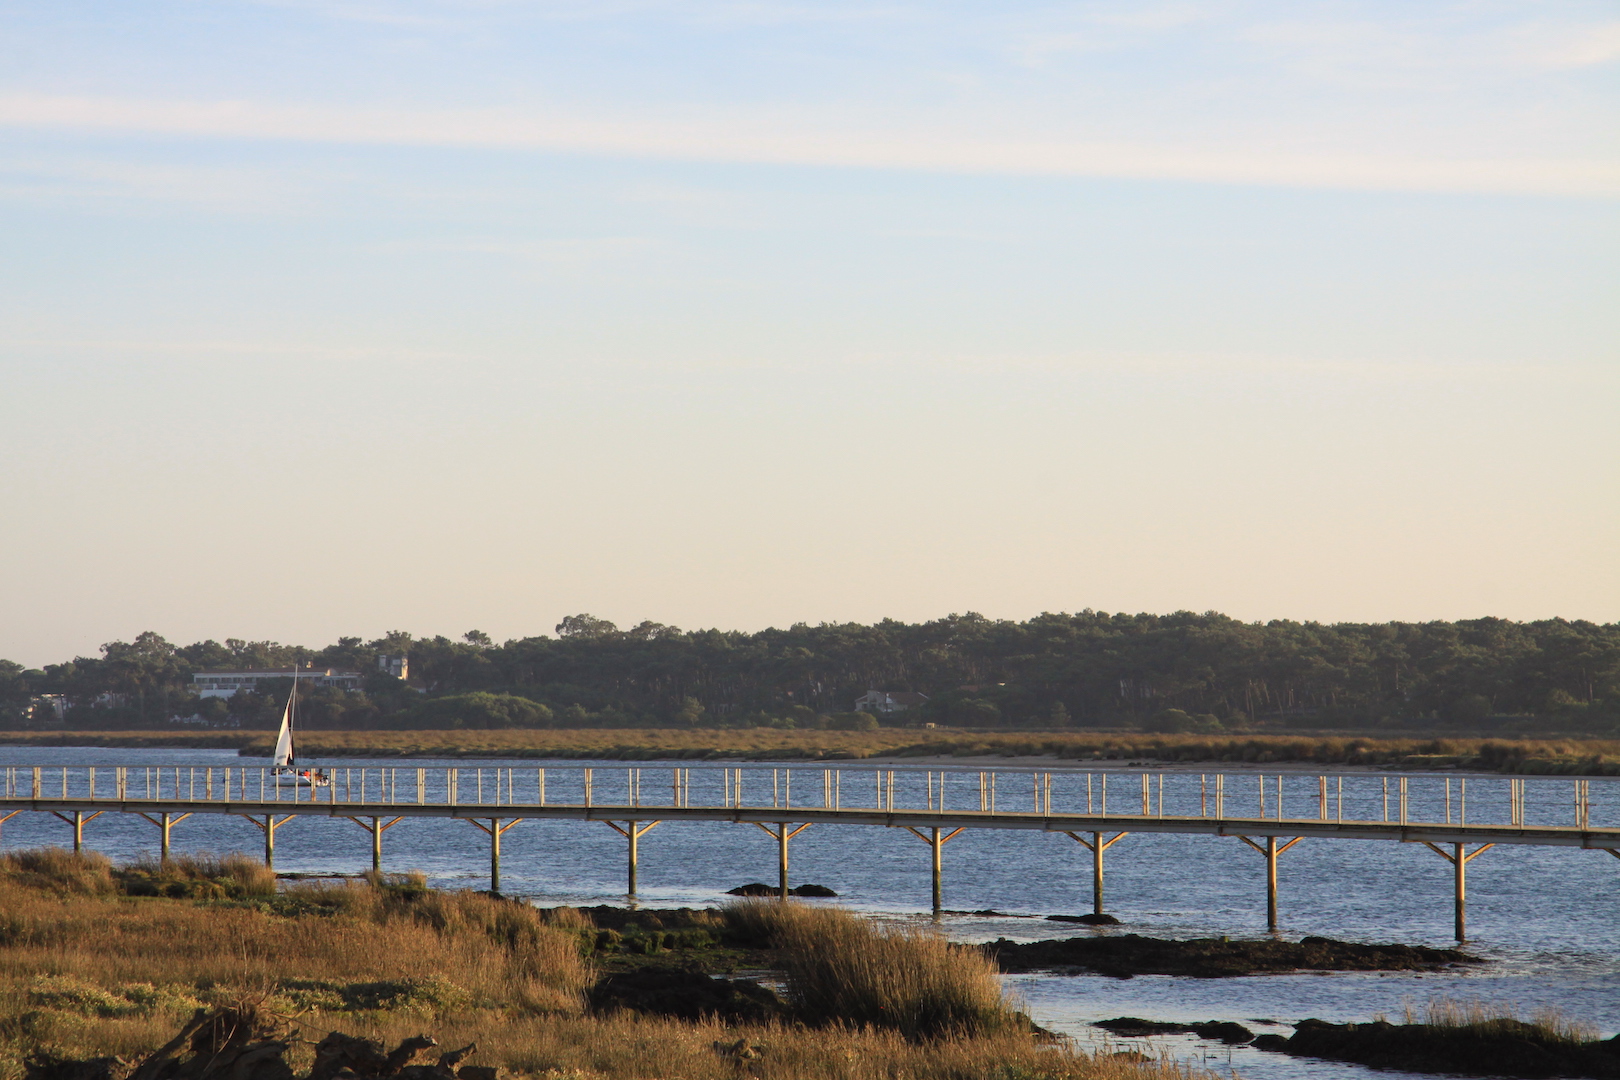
x=883, y=702
x=226, y=683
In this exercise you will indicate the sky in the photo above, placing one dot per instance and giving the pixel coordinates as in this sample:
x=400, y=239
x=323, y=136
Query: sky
x=335, y=317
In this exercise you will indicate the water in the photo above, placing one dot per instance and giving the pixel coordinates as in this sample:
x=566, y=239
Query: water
x=1544, y=917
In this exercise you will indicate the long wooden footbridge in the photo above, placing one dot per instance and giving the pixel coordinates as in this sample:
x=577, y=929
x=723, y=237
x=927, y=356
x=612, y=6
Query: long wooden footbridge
x=934, y=806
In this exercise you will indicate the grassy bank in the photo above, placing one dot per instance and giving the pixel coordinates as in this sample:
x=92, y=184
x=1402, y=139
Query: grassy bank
x=1575, y=757
x=96, y=960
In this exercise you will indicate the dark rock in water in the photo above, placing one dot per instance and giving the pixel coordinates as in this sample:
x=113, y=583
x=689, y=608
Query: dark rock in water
x=1499, y=1047
x=1093, y=919
x=687, y=995
x=1226, y=1031
x=1212, y=958
x=812, y=890
x=1133, y=1027
x=754, y=888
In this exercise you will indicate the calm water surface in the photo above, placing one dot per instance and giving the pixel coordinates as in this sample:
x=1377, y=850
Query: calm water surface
x=1548, y=919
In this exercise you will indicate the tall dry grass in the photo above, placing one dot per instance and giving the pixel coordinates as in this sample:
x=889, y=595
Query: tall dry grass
x=1469, y=1017
x=87, y=971
x=85, y=968
x=845, y=970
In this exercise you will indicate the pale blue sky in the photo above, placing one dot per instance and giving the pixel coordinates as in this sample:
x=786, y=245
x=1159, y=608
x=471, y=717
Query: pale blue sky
x=322, y=318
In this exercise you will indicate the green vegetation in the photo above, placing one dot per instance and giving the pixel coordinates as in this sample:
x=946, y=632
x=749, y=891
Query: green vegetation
x=88, y=968
x=1170, y=674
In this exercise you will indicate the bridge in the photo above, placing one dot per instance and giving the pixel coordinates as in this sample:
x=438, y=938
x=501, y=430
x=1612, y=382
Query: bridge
x=932, y=805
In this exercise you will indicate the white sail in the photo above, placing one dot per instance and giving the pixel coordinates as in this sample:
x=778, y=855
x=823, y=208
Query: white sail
x=284, y=746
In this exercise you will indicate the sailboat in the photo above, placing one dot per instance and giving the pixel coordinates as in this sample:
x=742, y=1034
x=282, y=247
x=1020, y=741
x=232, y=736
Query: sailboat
x=284, y=768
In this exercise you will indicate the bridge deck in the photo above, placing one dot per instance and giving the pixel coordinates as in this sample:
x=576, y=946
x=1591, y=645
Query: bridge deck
x=1407, y=832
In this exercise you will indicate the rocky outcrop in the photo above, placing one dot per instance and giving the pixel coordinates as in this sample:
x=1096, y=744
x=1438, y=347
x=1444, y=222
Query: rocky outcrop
x=1211, y=958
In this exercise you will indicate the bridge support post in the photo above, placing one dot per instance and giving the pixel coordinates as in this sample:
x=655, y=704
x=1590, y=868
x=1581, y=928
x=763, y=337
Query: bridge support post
x=935, y=842
x=1271, y=883
x=1096, y=845
x=78, y=821
x=1271, y=851
x=1459, y=860
x=376, y=827
x=633, y=834
x=495, y=855
x=9, y=816
x=494, y=829
x=164, y=821
x=781, y=835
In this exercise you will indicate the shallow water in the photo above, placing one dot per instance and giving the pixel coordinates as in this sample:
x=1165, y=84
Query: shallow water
x=1546, y=918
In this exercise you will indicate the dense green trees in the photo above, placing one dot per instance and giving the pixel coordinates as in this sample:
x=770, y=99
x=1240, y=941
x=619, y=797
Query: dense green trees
x=1083, y=669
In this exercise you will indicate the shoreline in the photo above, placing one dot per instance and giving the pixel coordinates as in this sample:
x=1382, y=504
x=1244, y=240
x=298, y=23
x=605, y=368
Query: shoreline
x=907, y=748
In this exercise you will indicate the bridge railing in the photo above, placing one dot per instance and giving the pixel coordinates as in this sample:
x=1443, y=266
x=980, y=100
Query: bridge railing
x=1407, y=798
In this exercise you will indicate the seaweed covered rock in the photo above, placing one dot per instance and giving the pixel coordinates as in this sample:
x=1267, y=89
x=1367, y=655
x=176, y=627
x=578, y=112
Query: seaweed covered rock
x=1499, y=1047
x=1213, y=958
x=754, y=888
x=1225, y=1031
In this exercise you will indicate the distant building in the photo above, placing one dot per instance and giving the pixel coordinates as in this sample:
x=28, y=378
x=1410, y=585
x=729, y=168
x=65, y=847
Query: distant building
x=883, y=702
x=226, y=683
x=397, y=666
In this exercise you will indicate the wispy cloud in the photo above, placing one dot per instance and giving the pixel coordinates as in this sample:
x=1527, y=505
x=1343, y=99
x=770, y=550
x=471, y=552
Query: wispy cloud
x=771, y=138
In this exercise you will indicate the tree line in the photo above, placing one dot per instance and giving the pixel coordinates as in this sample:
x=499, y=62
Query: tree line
x=1182, y=671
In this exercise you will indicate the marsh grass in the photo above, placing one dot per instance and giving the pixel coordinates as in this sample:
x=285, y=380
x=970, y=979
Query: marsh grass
x=88, y=970
x=1470, y=1018
x=842, y=969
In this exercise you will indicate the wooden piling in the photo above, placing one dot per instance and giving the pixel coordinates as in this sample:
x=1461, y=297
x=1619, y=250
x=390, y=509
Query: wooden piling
x=1097, y=849
x=939, y=892
x=634, y=837
x=1459, y=863
x=782, y=858
x=495, y=855
x=1271, y=883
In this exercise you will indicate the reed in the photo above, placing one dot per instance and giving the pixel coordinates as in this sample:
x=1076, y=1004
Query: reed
x=845, y=970
x=87, y=971
x=1468, y=1017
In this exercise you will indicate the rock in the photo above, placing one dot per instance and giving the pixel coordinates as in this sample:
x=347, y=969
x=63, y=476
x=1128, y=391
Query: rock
x=1134, y=1027
x=1500, y=1047
x=687, y=995
x=1269, y=1042
x=478, y=1072
x=1226, y=1031
x=812, y=890
x=1092, y=919
x=754, y=888
x=1125, y=955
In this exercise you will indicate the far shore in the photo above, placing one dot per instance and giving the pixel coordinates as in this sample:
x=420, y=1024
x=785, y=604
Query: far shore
x=910, y=748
